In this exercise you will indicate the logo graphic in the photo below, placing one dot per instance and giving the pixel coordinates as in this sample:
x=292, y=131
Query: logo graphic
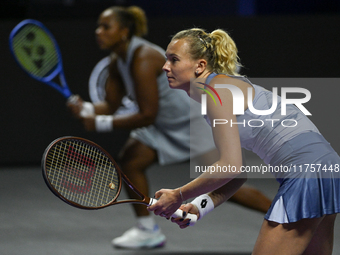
x=239, y=98
x=277, y=112
x=213, y=90
x=204, y=203
x=78, y=179
x=35, y=50
x=204, y=97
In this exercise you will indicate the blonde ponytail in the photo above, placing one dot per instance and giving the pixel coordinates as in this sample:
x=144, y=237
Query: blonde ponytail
x=227, y=60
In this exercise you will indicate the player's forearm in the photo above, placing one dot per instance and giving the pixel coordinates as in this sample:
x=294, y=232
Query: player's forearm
x=225, y=192
x=133, y=121
x=104, y=108
x=205, y=203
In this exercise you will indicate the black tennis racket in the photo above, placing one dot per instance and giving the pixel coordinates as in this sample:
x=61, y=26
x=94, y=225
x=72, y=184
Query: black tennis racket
x=84, y=175
x=37, y=53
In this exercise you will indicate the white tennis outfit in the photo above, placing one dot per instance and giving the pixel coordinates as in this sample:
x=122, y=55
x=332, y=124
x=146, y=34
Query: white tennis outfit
x=302, y=194
x=170, y=134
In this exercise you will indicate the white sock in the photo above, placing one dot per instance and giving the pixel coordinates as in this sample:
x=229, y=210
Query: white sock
x=147, y=222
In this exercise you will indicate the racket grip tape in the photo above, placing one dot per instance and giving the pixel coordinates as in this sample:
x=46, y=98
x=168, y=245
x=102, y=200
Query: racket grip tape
x=179, y=214
x=72, y=99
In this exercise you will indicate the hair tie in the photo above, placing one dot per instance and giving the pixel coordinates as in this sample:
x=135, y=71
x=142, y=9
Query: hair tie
x=204, y=42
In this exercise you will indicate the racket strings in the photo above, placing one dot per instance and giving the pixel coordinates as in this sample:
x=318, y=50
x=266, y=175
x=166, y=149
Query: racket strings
x=35, y=50
x=82, y=173
x=80, y=181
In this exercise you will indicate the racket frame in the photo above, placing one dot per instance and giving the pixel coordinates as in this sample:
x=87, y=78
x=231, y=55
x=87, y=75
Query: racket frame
x=121, y=176
x=63, y=89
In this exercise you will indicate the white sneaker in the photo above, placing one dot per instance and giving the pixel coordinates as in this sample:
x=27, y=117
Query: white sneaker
x=139, y=238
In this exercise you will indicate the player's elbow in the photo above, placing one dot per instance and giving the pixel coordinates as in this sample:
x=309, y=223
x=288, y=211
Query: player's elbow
x=148, y=116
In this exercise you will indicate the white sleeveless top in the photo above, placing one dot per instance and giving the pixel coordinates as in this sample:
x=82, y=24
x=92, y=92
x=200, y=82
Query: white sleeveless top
x=170, y=134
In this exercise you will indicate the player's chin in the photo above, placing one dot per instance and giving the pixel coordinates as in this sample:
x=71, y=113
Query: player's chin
x=102, y=46
x=173, y=84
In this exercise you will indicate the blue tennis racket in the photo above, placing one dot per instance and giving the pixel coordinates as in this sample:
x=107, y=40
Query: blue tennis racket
x=37, y=53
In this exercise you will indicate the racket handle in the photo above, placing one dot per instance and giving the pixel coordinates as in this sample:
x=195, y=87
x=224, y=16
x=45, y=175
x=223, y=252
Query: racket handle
x=72, y=99
x=179, y=214
x=88, y=108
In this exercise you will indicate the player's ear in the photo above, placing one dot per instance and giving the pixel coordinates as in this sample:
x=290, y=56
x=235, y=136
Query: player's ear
x=201, y=66
x=125, y=33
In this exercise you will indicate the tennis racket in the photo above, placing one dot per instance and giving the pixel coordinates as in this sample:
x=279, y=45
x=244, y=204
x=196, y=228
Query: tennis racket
x=84, y=175
x=37, y=53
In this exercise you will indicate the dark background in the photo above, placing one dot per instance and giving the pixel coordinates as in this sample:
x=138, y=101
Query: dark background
x=276, y=39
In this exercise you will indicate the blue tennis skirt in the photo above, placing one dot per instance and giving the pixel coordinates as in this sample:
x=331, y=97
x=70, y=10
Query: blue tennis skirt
x=311, y=187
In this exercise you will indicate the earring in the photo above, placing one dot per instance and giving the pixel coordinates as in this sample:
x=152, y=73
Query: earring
x=196, y=73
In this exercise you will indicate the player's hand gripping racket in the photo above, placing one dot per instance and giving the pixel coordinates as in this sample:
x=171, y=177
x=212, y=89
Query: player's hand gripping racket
x=84, y=175
x=37, y=53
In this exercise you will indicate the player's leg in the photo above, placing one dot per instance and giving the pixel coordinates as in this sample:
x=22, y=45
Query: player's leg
x=322, y=241
x=134, y=160
x=289, y=238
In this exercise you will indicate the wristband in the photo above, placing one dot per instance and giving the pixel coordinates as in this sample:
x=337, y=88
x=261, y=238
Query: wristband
x=87, y=109
x=104, y=123
x=204, y=204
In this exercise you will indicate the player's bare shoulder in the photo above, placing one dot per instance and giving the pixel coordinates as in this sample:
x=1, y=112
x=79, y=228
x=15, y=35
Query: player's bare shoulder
x=113, y=68
x=146, y=55
x=230, y=80
x=115, y=79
